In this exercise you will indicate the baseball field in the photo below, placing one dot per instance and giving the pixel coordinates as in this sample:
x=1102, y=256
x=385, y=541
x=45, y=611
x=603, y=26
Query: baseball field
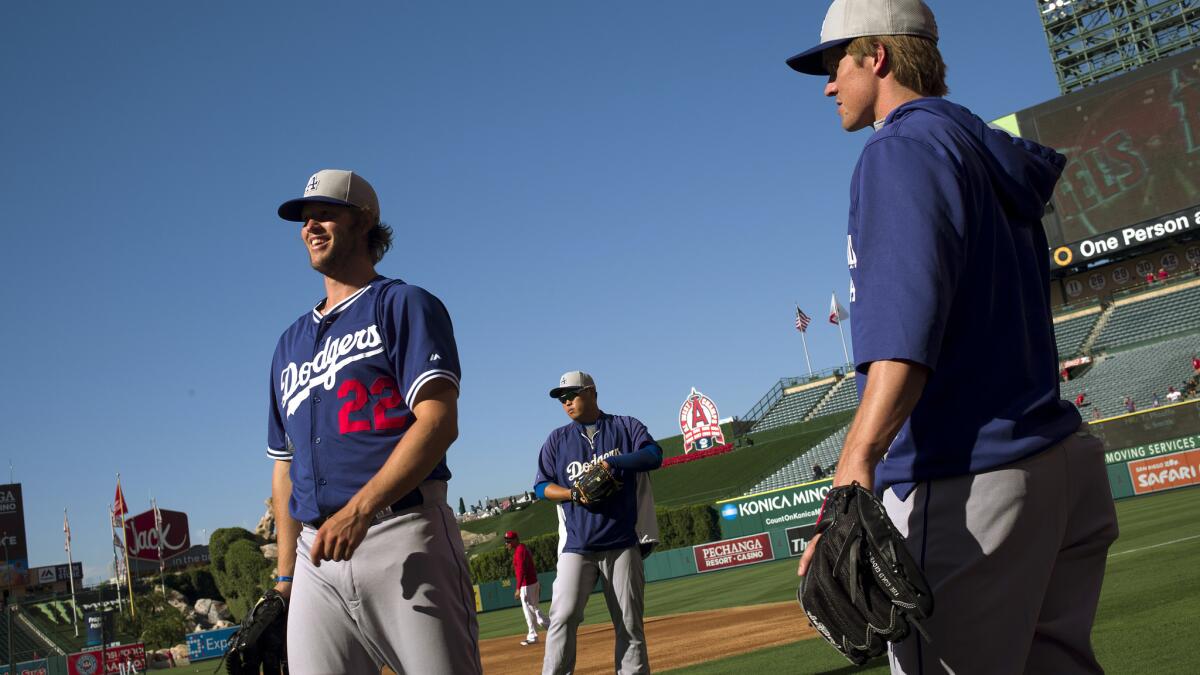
x=747, y=620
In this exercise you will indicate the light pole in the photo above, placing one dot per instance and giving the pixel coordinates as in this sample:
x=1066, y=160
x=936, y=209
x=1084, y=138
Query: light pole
x=12, y=663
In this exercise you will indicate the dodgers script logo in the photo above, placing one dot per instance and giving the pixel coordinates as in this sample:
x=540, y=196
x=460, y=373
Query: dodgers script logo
x=576, y=469
x=296, y=381
x=699, y=422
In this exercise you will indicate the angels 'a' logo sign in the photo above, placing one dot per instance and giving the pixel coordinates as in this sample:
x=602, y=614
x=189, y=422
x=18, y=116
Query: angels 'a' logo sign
x=699, y=422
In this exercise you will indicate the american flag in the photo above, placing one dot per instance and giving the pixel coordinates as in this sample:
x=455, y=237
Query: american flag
x=802, y=320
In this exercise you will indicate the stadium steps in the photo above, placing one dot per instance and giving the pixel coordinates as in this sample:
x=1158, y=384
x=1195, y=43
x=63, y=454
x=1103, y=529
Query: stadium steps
x=1140, y=372
x=845, y=398
x=1072, y=330
x=799, y=470
x=1090, y=340
x=824, y=399
x=795, y=404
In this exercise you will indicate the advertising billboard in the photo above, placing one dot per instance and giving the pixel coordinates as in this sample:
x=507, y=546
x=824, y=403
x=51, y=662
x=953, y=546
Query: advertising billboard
x=15, y=571
x=142, y=535
x=1133, y=159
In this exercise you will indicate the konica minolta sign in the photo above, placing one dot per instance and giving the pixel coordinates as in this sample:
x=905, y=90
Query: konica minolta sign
x=777, y=509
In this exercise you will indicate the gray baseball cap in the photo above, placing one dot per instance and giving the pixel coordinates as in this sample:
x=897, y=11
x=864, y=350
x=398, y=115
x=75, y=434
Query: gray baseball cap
x=570, y=381
x=849, y=19
x=332, y=186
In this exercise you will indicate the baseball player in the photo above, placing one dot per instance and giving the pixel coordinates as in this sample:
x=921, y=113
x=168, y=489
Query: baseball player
x=602, y=539
x=528, y=592
x=1003, y=496
x=363, y=406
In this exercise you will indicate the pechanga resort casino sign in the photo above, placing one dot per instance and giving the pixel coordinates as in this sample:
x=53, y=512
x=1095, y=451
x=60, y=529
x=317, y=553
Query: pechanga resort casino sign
x=699, y=422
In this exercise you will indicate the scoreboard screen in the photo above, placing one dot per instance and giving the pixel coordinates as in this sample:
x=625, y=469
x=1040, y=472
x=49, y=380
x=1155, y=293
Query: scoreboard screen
x=1133, y=150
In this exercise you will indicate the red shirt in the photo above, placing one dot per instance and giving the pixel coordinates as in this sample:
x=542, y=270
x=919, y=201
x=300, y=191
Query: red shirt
x=526, y=573
x=1196, y=364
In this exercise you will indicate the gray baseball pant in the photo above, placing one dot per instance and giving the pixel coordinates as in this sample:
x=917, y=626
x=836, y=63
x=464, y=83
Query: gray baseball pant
x=1016, y=558
x=624, y=583
x=404, y=599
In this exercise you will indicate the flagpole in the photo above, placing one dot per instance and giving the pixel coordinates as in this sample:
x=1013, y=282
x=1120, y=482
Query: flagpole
x=807, y=361
x=112, y=527
x=125, y=548
x=841, y=332
x=71, y=573
x=162, y=579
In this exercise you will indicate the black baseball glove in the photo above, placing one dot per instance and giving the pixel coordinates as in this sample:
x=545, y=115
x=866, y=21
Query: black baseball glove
x=862, y=589
x=594, y=485
x=260, y=644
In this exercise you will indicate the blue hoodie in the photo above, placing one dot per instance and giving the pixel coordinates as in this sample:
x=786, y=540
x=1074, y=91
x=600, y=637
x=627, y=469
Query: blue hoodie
x=948, y=269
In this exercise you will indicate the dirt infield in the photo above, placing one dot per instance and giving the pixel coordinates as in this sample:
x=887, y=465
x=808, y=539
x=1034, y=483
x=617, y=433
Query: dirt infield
x=675, y=640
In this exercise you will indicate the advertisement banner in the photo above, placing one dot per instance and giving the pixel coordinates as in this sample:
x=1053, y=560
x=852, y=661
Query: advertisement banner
x=54, y=573
x=37, y=667
x=798, y=538
x=786, y=507
x=209, y=644
x=1178, y=469
x=143, y=537
x=719, y=555
x=1152, y=449
x=15, y=571
x=119, y=660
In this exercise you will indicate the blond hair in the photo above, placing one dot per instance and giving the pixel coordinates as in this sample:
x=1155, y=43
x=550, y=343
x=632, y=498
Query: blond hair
x=915, y=61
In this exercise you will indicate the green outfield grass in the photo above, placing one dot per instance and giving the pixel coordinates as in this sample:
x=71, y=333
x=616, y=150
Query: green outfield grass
x=1148, y=607
x=705, y=481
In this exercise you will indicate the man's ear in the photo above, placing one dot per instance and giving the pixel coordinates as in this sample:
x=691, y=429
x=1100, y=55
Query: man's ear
x=880, y=69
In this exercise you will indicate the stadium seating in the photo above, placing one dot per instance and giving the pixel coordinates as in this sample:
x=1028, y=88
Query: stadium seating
x=794, y=407
x=845, y=397
x=1139, y=319
x=799, y=470
x=1070, y=333
x=24, y=643
x=1139, y=372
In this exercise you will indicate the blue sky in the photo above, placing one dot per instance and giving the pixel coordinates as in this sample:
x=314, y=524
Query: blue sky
x=639, y=190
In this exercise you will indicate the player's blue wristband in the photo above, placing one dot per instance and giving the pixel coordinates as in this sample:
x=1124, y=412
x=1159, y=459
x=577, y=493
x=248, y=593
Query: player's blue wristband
x=646, y=458
x=282, y=579
x=540, y=489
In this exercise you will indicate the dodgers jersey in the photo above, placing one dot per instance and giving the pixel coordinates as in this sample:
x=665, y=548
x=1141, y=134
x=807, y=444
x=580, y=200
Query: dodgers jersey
x=343, y=386
x=567, y=452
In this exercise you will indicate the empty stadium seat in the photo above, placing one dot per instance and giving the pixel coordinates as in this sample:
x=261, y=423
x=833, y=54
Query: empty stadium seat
x=1143, y=320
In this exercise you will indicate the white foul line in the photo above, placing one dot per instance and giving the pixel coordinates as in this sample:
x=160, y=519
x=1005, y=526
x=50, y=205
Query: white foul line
x=1146, y=548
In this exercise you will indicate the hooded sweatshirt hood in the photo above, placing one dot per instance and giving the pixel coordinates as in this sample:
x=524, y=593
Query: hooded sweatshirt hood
x=1023, y=172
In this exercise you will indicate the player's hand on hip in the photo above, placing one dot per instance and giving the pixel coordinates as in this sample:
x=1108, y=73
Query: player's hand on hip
x=339, y=536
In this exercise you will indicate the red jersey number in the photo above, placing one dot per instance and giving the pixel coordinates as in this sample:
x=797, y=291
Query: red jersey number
x=358, y=400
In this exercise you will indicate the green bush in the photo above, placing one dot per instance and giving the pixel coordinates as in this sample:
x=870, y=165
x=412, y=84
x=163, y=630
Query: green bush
x=686, y=526
x=239, y=569
x=155, y=622
x=497, y=564
x=195, y=584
